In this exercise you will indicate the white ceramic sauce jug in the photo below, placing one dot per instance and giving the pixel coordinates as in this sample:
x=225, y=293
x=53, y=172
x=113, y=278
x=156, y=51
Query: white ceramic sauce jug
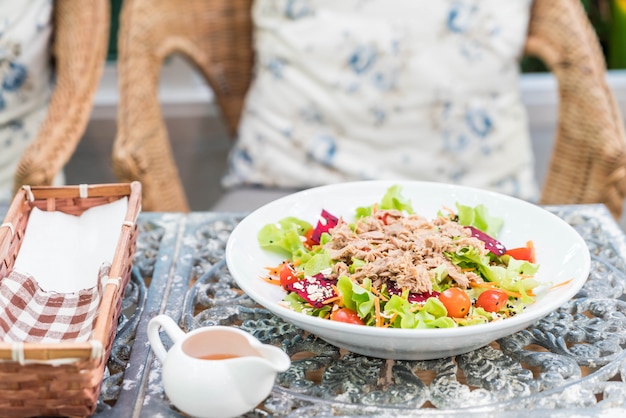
x=215, y=371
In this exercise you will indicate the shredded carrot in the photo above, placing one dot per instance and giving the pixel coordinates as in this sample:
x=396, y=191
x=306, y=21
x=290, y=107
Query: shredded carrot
x=380, y=295
x=332, y=300
x=271, y=281
x=339, y=295
x=480, y=284
x=566, y=282
x=390, y=321
x=377, y=308
x=489, y=285
x=275, y=271
x=468, y=269
x=447, y=209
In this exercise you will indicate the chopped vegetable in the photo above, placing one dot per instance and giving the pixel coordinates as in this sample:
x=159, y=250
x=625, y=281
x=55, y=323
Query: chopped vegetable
x=491, y=244
x=324, y=224
x=346, y=315
x=478, y=217
x=287, y=275
x=411, y=297
x=315, y=290
x=523, y=253
x=456, y=301
x=492, y=300
x=394, y=268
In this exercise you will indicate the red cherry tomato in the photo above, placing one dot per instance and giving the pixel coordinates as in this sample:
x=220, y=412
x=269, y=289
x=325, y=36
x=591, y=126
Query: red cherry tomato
x=287, y=275
x=492, y=300
x=346, y=315
x=456, y=301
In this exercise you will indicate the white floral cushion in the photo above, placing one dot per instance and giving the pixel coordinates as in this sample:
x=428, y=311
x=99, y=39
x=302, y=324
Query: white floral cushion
x=25, y=79
x=386, y=89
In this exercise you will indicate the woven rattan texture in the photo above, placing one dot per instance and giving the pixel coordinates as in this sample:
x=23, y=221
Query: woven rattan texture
x=217, y=37
x=71, y=389
x=80, y=36
x=588, y=163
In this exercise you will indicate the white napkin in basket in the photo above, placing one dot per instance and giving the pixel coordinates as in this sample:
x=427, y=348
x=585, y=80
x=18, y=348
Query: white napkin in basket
x=64, y=252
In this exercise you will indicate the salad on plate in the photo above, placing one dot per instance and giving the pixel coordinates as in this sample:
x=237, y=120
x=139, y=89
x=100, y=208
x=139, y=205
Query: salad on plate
x=393, y=268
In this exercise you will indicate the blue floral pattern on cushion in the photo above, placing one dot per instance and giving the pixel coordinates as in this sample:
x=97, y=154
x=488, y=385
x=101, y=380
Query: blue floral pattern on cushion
x=14, y=78
x=25, y=79
x=409, y=89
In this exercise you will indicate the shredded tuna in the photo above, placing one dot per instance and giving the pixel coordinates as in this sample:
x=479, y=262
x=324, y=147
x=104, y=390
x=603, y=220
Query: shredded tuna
x=402, y=249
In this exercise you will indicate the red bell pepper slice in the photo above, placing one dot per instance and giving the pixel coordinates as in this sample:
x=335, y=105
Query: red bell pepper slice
x=526, y=253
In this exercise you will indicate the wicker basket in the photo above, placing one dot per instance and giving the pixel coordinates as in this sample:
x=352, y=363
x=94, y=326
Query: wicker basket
x=28, y=385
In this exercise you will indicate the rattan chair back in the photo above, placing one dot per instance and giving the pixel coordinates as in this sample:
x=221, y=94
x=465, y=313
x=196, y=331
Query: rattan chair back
x=587, y=165
x=80, y=42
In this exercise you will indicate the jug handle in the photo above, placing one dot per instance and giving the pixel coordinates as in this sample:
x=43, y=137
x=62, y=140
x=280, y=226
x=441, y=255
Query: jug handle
x=170, y=327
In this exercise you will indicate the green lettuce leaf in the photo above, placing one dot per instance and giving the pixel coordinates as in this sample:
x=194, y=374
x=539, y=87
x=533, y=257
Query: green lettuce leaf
x=358, y=298
x=432, y=315
x=392, y=199
x=284, y=236
x=471, y=258
x=402, y=307
x=315, y=262
x=479, y=218
x=516, y=278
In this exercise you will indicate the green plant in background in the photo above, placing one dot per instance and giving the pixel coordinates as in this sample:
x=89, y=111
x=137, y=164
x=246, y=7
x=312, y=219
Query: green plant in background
x=599, y=14
x=608, y=18
x=616, y=54
x=116, y=6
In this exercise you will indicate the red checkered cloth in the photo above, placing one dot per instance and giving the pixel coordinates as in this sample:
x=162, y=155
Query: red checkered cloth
x=30, y=314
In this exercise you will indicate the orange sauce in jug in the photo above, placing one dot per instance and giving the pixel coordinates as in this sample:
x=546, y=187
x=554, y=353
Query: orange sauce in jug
x=217, y=356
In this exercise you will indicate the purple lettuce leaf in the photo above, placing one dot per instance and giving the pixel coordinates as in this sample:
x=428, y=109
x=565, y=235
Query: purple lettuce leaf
x=413, y=297
x=491, y=243
x=325, y=224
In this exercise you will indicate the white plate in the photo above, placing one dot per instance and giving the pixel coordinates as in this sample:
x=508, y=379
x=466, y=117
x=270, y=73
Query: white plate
x=561, y=252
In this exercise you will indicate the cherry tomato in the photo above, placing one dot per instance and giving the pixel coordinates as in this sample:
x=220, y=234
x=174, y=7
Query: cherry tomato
x=492, y=300
x=456, y=301
x=346, y=315
x=287, y=275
